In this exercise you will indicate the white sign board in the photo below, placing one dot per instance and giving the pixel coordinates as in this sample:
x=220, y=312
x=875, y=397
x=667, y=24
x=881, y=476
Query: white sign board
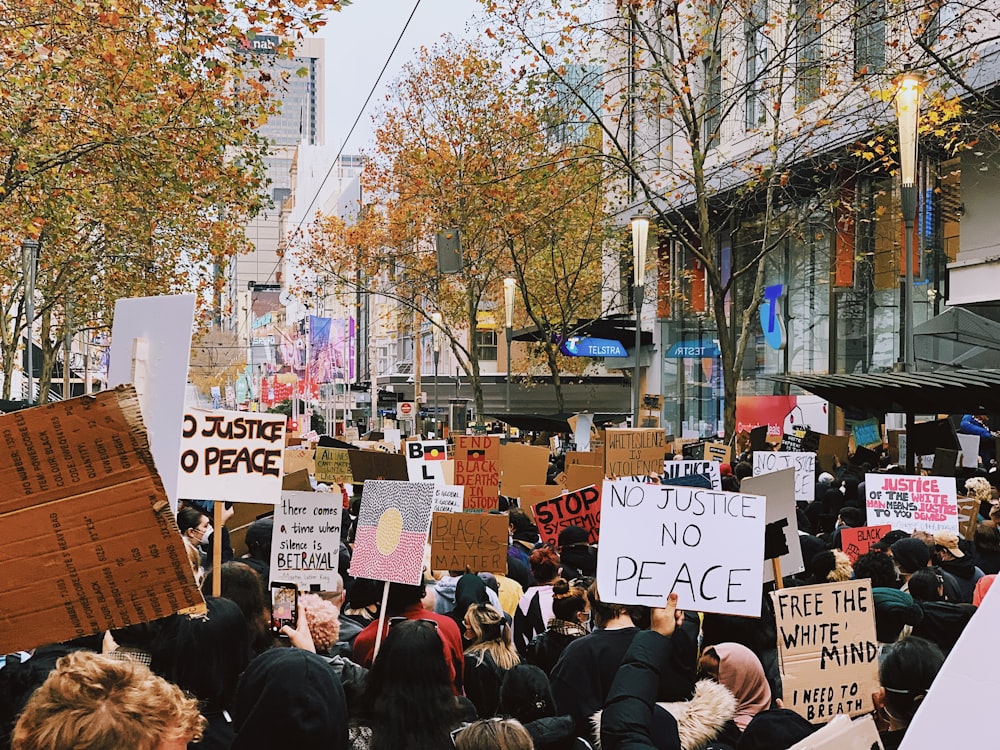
x=151, y=348
x=779, y=489
x=804, y=463
x=970, y=450
x=235, y=456
x=305, y=544
x=912, y=503
x=448, y=498
x=709, y=469
x=706, y=545
x=425, y=460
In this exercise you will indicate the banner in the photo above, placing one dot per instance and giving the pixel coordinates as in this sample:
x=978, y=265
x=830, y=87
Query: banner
x=766, y=462
x=231, y=455
x=469, y=542
x=477, y=468
x=827, y=649
x=707, y=546
x=392, y=530
x=305, y=543
x=579, y=508
x=331, y=349
x=636, y=452
x=912, y=503
x=677, y=469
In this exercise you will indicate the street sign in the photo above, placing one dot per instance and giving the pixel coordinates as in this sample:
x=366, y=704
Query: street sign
x=405, y=408
x=576, y=346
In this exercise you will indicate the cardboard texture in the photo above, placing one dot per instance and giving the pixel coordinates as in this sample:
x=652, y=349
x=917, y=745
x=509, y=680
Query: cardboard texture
x=706, y=545
x=305, y=545
x=367, y=465
x=90, y=542
x=827, y=649
x=803, y=463
x=333, y=465
x=718, y=452
x=296, y=459
x=522, y=465
x=477, y=468
x=831, y=446
x=968, y=516
x=779, y=489
x=297, y=481
x=586, y=458
x=581, y=507
x=532, y=494
x=580, y=475
x=476, y=543
x=244, y=514
x=912, y=503
x=630, y=453
x=857, y=541
x=231, y=455
x=676, y=469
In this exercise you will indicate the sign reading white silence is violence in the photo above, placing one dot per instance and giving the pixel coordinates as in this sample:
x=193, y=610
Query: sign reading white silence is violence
x=705, y=545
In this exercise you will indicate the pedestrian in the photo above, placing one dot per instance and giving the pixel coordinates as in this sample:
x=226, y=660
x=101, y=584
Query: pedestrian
x=487, y=658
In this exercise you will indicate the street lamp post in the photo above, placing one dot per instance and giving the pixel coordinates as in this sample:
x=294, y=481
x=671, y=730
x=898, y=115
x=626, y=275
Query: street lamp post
x=640, y=234
x=29, y=260
x=508, y=308
x=907, y=112
x=436, y=339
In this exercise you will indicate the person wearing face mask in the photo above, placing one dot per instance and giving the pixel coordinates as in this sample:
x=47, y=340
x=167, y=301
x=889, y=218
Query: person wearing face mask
x=196, y=530
x=570, y=620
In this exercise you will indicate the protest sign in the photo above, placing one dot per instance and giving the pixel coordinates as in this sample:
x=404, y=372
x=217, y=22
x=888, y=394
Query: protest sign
x=718, y=452
x=300, y=458
x=90, y=542
x=532, y=494
x=367, y=465
x=333, y=465
x=634, y=452
x=392, y=530
x=710, y=469
x=791, y=443
x=587, y=458
x=425, y=460
x=520, y=465
x=968, y=518
x=305, y=543
x=473, y=542
x=477, y=468
x=231, y=455
x=857, y=541
x=867, y=434
x=448, y=498
x=843, y=733
x=827, y=648
x=580, y=475
x=970, y=450
x=782, y=522
x=581, y=507
x=706, y=545
x=912, y=503
x=832, y=447
x=695, y=450
x=803, y=463
x=151, y=348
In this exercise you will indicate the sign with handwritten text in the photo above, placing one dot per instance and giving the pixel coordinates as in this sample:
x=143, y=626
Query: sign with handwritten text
x=912, y=503
x=579, y=508
x=804, y=463
x=635, y=452
x=305, y=543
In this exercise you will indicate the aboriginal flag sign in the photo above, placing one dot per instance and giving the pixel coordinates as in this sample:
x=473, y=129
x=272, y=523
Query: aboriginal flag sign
x=392, y=530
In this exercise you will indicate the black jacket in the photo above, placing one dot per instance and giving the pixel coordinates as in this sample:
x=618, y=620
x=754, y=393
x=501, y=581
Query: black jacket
x=555, y=733
x=482, y=680
x=546, y=648
x=943, y=622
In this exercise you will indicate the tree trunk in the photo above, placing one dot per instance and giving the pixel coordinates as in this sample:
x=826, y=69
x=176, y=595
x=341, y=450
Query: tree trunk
x=48, y=358
x=551, y=354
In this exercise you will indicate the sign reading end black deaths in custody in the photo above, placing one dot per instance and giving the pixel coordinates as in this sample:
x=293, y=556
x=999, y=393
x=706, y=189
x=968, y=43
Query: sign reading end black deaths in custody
x=705, y=545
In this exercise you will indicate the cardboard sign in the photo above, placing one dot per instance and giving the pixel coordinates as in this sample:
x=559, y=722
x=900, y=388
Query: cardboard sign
x=298, y=458
x=630, y=453
x=151, y=349
x=580, y=475
x=912, y=503
x=473, y=542
x=803, y=463
x=522, y=465
x=677, y=469
x=843, y=733
x=587, y=458
x=970, y=450
x=333, y=465
x=857, y=541
x=392, y=531
x=448, y=498
x=578, y=508
x=305, y=544
x=829, y=447
x=232, y=455
x=425, y=460
x=790, y=443
x=779, y=489
x=945, y=461
x=718, y=452
x=367, y=465
x=477, y=468
x=90, y=542
x=867, y=433
x=827, y=649
x=706, y=545
x=694, y=450
x=968, y=518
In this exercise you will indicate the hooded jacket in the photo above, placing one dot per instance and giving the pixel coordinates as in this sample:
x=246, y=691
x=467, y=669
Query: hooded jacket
x=290, y=698
x=966, y=573
x=943, y=623
x=555, y=733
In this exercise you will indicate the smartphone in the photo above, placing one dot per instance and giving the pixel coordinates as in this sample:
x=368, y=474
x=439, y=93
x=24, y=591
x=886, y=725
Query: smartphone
x=284, y=606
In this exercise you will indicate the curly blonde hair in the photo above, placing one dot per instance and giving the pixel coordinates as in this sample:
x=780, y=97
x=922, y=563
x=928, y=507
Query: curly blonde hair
x=92, y=702
x=323, y=620
x=979, y=488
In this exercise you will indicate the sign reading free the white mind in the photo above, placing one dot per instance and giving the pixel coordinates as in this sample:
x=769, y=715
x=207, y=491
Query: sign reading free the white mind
x=705, y=545
x=912, y=503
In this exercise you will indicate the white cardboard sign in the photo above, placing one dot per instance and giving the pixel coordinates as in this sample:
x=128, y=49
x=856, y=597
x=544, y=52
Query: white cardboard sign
x=425, y=460
x=779, y=489
x=235, y=456
x=804, y=463
x=448, y=498
x=305, y=544
x=706, y=545
x=912, y=503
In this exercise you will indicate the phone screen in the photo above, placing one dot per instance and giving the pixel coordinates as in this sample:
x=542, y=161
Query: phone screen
x=284, y=605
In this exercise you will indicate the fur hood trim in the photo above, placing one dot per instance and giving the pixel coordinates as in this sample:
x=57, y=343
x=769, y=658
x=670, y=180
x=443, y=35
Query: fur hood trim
x=699, y=720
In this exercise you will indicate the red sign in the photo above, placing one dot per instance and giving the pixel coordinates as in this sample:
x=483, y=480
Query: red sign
x=856, y=542
x=405, y=408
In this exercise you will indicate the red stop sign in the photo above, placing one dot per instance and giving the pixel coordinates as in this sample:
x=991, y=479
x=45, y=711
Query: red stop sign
x=405, y=408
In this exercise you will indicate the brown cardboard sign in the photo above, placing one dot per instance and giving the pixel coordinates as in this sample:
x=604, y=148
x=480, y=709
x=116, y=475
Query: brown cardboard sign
x=90, y=542
x=717, y=452
x=632, y=453
x=580, y=475
x=830, y=446
x=586, y=458
x=473, y=542
x=297, y=481
x=532, y=494
x=968, y=517
x=367, y=465
x=333, y=465
x=477, y=468
x=520, y=465
x=296, y=459
x=581, y=508
x=827, y=648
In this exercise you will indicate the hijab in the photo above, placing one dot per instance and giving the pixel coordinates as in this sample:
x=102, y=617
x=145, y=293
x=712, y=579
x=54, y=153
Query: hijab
x=741, y=672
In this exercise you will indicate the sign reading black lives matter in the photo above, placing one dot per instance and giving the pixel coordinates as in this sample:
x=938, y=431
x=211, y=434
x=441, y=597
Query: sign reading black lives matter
x=705, y=545
x=232, y=456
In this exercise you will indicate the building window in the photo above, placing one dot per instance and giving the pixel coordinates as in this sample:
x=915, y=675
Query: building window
x=486, y=344
x=755, y=40
x=869, y=37
x=713, y=101
x=809, y=59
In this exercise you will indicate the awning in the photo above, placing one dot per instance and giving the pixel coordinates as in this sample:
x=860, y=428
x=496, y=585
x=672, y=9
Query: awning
x=957, y=338
x=620, y=328
x=553, y=422
x=937, y=392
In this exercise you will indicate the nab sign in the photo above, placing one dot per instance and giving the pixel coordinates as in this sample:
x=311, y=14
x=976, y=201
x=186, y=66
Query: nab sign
x=575, y=346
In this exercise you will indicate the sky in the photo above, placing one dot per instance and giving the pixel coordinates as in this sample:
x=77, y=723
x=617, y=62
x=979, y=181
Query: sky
x=358, y=41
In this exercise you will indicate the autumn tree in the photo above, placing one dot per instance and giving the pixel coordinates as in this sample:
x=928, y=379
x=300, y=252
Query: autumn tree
x=728, y=121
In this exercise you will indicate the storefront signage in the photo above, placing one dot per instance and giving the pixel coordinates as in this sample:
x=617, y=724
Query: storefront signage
x=576, y=346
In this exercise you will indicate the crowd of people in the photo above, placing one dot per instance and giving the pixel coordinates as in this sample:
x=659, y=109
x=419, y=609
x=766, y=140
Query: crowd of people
x=530, y=659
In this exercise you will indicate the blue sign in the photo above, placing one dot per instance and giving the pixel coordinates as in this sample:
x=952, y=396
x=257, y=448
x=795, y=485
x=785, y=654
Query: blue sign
x=576, y=346
x=771, y=321
x=694, y=349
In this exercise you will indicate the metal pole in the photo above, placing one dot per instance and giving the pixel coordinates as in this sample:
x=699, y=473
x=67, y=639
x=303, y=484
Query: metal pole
x=909, y=200
x=510, y=332
x=437, y=358
x=68, y=343
x=638, y=291
x=29, y=249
